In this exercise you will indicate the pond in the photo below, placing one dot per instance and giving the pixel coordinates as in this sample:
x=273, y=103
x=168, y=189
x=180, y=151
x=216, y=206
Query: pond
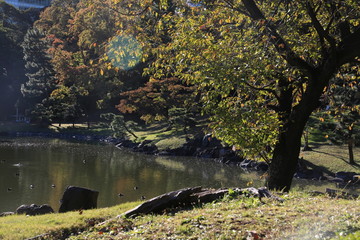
x=37, y=170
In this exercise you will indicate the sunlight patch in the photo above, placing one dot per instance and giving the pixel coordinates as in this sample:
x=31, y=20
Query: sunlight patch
x=124, y=52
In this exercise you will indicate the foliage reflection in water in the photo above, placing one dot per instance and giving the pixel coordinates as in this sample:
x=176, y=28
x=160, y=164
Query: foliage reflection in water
x=35, y=170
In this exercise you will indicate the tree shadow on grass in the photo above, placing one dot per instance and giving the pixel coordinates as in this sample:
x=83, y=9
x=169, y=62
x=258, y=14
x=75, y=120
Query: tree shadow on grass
x=315, y=147
x=356, y=165
x=318, y=168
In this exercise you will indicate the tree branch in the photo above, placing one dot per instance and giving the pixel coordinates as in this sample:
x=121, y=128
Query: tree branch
x=231, y=6
x=319, y=29
x=130, y=14
x=276, y=39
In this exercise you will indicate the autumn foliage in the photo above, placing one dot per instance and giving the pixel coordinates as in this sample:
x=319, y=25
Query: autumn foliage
x=153, y=101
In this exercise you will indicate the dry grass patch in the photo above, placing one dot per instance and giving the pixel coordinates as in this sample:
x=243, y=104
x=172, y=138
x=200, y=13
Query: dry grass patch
x=301, y=216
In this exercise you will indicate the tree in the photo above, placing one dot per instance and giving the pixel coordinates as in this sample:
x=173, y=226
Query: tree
x=262, y=67
x=40, y=73
x=79, y=37
x=344, y=100
x=156, y=98
x=64, y=105
x=13, y=27
x=118, y=125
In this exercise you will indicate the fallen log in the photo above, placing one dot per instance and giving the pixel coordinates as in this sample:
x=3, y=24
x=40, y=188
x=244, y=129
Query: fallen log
x=191, y=196
x=162, y=202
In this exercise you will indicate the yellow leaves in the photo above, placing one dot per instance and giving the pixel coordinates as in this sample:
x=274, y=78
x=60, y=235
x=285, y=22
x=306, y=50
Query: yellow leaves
x=249, y=183
x=101, y=72
x=262, y=22
x=269, y=67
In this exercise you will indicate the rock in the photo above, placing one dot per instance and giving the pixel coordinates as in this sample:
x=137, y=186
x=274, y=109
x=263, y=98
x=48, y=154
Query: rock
x=206, y=140
x=305, y=172
x=144, y=143
x=356, y=178
x=147, y=147
x=248, y=164
x=341, y=194
x=209, y=141
x=4, y=214
x=78, y=198
x=34, y=209
x=337, y=180
x=262, y=166
x=345, y=176
x=126, y=144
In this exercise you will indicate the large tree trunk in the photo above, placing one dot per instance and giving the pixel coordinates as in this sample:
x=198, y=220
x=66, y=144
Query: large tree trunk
x=285, y=158
x=286, y=153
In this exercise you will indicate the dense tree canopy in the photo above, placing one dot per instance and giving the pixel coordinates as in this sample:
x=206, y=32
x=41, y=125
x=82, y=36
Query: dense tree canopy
x=156, y=98
x=262, y=67
x=13, y=27
x=80, y=37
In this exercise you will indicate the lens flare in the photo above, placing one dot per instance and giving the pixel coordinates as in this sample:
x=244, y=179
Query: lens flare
x=124, y=52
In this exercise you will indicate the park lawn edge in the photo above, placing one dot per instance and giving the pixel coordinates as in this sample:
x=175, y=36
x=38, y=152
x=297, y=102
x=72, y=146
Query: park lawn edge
x=301, y=216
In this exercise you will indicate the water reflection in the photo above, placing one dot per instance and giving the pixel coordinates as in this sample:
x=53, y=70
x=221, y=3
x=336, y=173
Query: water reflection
x=38, y=170
x=35, y=170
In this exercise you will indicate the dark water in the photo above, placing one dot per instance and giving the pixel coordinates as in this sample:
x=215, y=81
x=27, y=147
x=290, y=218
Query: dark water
x=30, y=166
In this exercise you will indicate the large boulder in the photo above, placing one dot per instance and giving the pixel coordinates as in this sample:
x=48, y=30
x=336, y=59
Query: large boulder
x=78, y=198
x=34, y=209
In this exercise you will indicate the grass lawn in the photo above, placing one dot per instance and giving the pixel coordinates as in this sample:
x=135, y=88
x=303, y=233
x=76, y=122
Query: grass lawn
x=300, y=216
x=331, y=158
x=21, y=227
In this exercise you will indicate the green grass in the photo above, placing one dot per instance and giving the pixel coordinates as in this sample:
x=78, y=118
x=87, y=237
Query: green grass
x=301, y=216
x=22, y=227
x=159, y=133
x=95, y=128
x=331, y=158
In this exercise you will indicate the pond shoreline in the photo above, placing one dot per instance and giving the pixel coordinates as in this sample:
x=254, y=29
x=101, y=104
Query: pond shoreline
x=203, y=147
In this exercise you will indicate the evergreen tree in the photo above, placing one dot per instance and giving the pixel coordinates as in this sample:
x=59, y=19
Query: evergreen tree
x=40, y=73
